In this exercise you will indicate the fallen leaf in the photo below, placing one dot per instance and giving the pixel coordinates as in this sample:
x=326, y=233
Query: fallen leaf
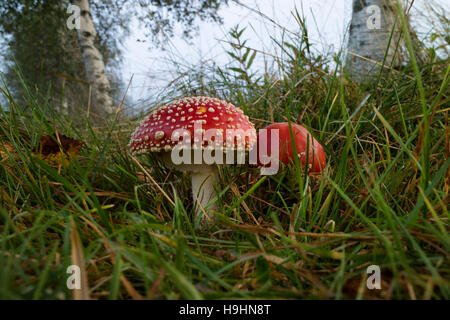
x=58, y=149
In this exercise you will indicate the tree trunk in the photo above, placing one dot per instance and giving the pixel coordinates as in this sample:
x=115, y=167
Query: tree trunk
x=93, y=62
x=371, y=26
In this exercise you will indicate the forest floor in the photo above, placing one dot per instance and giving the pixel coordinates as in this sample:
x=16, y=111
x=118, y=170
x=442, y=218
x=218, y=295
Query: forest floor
x=127, y=222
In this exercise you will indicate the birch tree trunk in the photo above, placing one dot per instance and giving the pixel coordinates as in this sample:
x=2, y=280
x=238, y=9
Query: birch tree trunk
x=93, y=61
x=371, y=26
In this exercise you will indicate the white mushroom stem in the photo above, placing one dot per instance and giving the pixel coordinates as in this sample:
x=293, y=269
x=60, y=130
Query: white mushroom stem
x=203, y=182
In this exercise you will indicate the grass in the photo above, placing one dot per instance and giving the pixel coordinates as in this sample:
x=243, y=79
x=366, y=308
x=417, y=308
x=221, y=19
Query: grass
x=128, y=222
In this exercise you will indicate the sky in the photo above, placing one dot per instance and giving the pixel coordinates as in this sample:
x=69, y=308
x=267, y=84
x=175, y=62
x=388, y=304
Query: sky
x=152, y=68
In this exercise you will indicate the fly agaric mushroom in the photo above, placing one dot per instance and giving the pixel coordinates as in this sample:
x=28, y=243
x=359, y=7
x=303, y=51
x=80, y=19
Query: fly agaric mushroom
x=202, y=123
x=316, y=156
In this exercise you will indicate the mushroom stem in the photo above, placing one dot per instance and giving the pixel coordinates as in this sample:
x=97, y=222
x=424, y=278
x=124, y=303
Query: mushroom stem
x=203, y=189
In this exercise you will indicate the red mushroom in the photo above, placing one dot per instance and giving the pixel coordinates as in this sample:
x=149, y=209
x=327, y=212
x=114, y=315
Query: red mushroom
x=316, y=156
x=206, y=126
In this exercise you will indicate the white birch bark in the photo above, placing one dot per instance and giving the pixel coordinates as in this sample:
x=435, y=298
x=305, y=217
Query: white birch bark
x=371, y=26
x=93, y=61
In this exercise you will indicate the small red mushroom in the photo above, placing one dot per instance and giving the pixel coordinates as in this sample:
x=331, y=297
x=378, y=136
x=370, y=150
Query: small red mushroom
x=316, y=156
x=193, y=119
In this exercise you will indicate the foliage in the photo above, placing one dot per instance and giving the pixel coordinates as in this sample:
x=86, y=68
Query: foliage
x=159, y=16
x=38, y=45
x=49, y=55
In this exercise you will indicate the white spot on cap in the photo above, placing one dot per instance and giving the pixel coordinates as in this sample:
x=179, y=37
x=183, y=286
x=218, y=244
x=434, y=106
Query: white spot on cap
x=159, y=135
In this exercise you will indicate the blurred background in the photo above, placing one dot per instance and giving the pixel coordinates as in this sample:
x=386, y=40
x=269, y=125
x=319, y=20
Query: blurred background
x=154, y=47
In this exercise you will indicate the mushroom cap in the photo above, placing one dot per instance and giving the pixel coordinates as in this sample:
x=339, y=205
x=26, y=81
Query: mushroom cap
x=161, y=130
x=316, y=158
